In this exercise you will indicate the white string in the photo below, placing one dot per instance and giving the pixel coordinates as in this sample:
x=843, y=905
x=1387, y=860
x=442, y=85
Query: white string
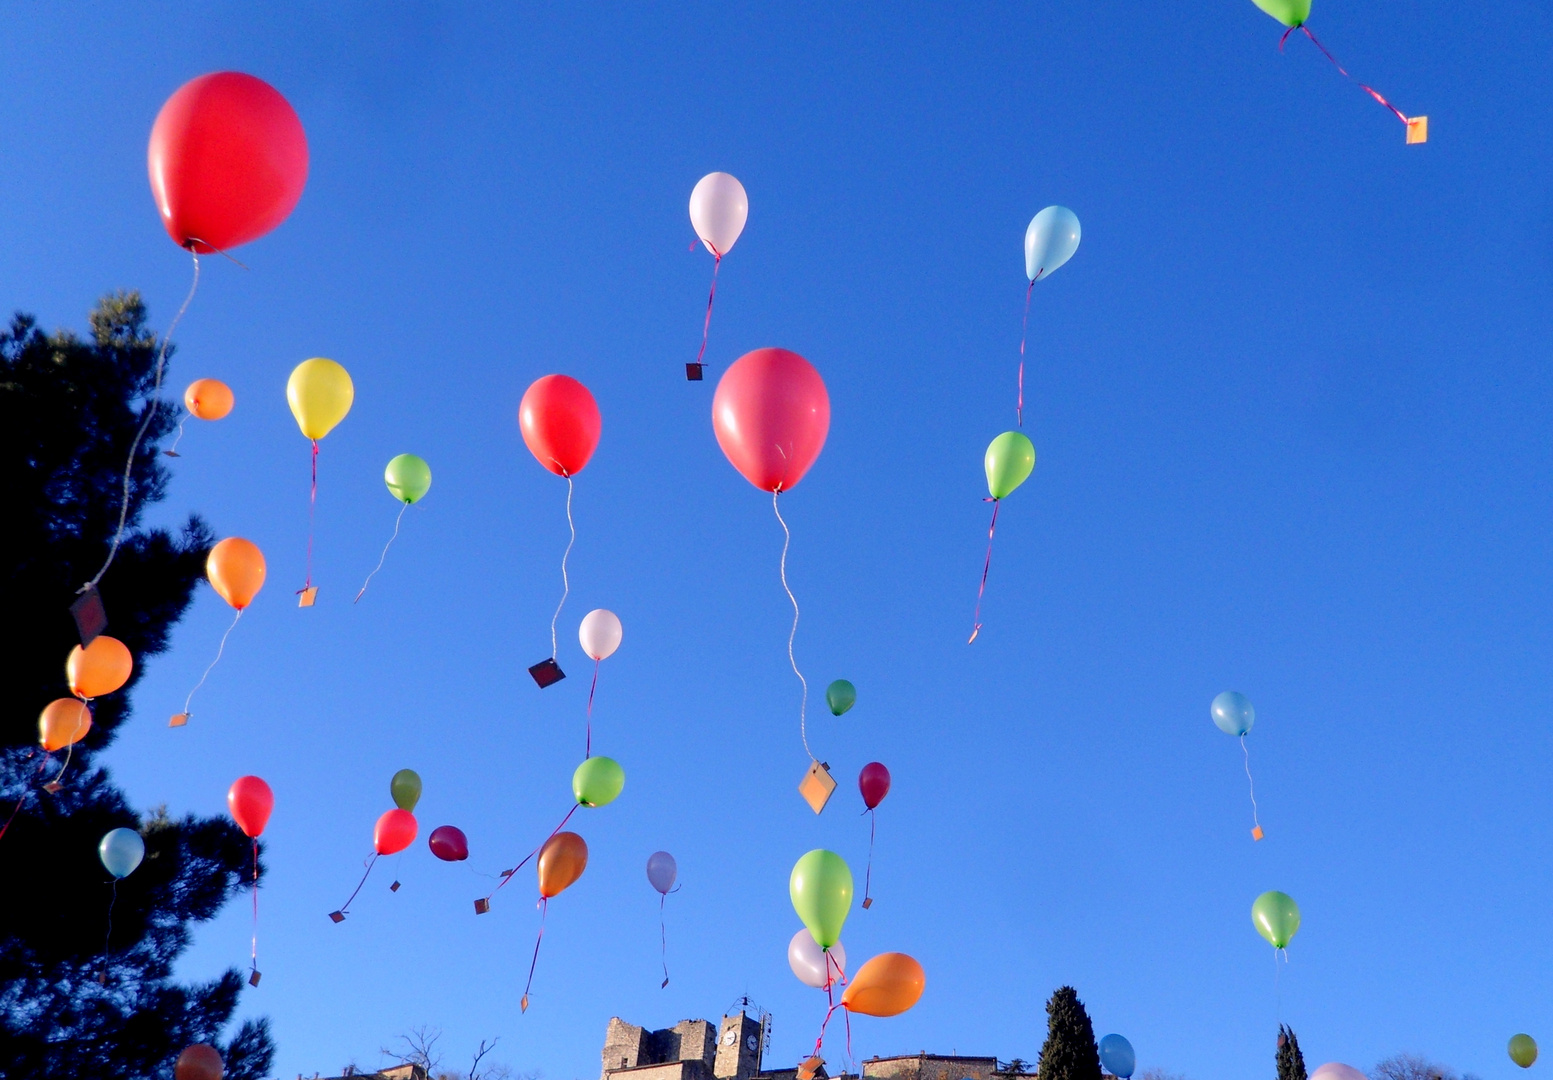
x=803, y=706
x=220, y=649
x=565, y=581
x=383, y=556
x=151, y=405
x=172, y=451
x=1250, y=782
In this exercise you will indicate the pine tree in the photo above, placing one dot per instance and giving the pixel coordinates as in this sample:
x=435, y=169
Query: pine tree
x=1291, y=1063
x=69, y=408
x=1069, y=1052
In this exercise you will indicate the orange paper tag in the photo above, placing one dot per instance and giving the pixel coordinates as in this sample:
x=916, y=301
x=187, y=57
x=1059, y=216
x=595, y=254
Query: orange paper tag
x=868, y=902
x=810, y=1068
x=178, y=719
x=53, y=787
x=1417, y=129
x=523, y=1004
x=1256, y=833
x=817, y=786
x=305, y=597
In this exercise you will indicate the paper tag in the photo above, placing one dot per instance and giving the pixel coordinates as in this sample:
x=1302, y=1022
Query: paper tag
x=810, y=1067
x=523, y=1004
x=394, y=887
x=91, y=618
x=172, y=453
x=1256, y=833
x=547, y=672
x=817, y=786
x=253, y=979
x=1417, y=129
x=337, y=916
x=53, y=787
x=694, y=372
x=305, y=597
x=665, y=984
x=178, y=719
x=482, y=905
x=868, y=902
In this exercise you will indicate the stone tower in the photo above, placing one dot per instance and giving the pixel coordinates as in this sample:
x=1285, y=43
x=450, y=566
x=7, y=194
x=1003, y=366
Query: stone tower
x=739, y=1046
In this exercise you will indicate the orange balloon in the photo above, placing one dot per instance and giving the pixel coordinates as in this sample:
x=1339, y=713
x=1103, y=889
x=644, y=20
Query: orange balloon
x=236, y=568
x=887, y=985
x=561, y=862
x=100, y=668
x=62, y=722
x=198, y=1062
x=208, y=399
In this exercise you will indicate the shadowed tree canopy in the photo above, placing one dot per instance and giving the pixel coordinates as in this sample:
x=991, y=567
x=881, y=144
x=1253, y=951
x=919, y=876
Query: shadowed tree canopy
x=69, y=409
x=1291, y=1063
x=1069, y=1052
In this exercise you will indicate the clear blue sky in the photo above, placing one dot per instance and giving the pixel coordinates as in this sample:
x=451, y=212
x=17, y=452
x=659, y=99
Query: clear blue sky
x=1290, y=402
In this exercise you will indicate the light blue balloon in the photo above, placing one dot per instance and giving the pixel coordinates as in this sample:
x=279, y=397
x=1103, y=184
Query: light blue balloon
x=1050, y=241
x=121, y=851
x=1233, y=713
x=1117, y=1057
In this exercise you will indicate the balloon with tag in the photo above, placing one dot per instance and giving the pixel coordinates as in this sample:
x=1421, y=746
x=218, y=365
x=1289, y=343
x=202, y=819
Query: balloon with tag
x=561, y=862
x=873, y=783
x=448, y=843
x=320, y=393
x=235, y=569
x=813, y=965
x=1233, y=714
x=395, y=830
x=599, y=635
x=1009, y=461
x=250, y=802
x=719, y=208
x=203, y=399
x=408, y=479
x=661, y=873
x=1116, y=1056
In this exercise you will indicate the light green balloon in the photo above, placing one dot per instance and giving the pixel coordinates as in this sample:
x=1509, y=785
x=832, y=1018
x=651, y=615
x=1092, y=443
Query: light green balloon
x=840, y=696
x=1276, y=917
x=1291, y=13
x=405, y=787
x=1523, y=1050
x=408, y=478
x=598, y=781
x=1010, y=460
x=821, y=891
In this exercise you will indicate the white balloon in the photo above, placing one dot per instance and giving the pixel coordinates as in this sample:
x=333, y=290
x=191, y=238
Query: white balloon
x=808, y=960
x=1333, y=1070
x=600, y=634
x=718, y=210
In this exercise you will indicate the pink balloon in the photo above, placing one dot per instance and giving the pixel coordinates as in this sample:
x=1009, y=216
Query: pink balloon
x=874, y=783
x=448, y=843
x=771, y=415
x=1333, y=1070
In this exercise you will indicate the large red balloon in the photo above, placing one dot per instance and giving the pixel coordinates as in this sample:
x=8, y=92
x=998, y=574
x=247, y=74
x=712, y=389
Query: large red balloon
x=395, y=831
x=228, y=161
x=874, y=783
x=771, y=415
x=250, y=800
x=560, y=422
x=448, y=843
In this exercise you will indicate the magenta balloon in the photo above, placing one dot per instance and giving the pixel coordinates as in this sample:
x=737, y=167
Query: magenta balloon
x=874, y=783
x=661, y=871
x=448, y=844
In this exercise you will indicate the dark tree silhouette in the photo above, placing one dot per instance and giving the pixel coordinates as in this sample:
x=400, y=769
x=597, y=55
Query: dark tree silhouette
x=1291, y=1063
x=1069, y=1052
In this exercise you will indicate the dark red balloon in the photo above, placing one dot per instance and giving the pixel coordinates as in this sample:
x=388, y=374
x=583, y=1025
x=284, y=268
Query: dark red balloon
x=228, y=161
x=874, y=783
x=561, y=423
x=198, y=1062
x=395, y=831
x=448, y=843
x=771, y=415
x=250, y=800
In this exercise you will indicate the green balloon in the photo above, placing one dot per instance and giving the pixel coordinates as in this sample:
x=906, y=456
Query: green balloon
x=821, y=891
x=405, y=787
x=1523, y=1050
x=598, y=781
x=408, y=478
x=1010, y=460
x=1276, y=917
x=840, y=696
x=1291, y=13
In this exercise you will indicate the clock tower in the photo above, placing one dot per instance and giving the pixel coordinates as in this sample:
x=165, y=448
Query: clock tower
x=741, y=1043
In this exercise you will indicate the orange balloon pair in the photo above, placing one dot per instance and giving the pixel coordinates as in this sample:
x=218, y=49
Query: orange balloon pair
x=63, y=722
x=561, y=862
x=235, y=568
x=887, y=985
x=208, y=399
x=100, y=668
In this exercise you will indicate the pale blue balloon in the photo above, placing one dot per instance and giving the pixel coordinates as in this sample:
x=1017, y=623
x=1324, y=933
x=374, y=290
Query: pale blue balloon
x=1116, y=1056
x=1050, y=241
x=1233, y=713
x=121, y=851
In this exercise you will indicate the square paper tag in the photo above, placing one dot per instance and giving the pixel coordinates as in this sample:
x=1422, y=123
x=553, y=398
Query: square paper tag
x=693, y=371
x=1256, y=833
x=90, y=617
x=482, y=905
x=1417, y=129
x=178, y=719
x=337, y=916
x=305, y=597
x=817, y=785
x=547, y=673
x=253, y=979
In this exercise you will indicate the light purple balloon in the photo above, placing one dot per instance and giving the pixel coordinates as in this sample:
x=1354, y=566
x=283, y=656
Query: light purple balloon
x=661, y=871
x=1334, y=1070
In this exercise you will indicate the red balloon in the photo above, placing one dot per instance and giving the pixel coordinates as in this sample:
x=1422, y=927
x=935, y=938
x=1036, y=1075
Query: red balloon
x=395, y=831
x=874, y=783
x=448, y=843
x=560, y=422
x=771, y=415
x=228, y=161
x=250, y=800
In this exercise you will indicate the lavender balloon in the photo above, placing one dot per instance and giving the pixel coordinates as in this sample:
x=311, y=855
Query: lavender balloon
x=661, y=871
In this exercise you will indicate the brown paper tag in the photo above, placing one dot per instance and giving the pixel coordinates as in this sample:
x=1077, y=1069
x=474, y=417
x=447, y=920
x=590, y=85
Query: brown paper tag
x=178, y=719
x=172, y=453
x=91, y=618
x=306, y=597
x=547, y=672
x=394, y=887
x=1417, y=130
x=482, y=905
x=253, y=979
x=868, y=902
x=817, y=786
x=810, y=1067
x=337, y=916
x=694, y=372
x=53, y=787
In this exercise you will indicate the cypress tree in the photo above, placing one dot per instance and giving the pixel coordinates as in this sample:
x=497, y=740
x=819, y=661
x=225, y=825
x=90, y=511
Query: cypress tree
x=1291, y=1063
x=1069, y=1052
x=69, y=408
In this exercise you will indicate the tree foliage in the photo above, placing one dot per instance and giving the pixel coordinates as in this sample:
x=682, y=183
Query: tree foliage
x=1291, y=1063
x=83, y=992
x=1069, y=1052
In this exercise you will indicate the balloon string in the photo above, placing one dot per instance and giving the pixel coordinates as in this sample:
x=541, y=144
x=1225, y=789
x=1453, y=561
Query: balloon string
x=985, y=568
x=107, y=938
x=42, y=765
x=706, y=327
x=508, y=875
x=152, y=401
x=803, y=706
x=544, y=910
x=566, y=582
x=868, y=875
x=253, y=888
x=587, y=750
x=219, y=650
x=1398, y=113
x=383, y=556
x=1278, y=986
x=312, y=508
x=663, y=939
x=1024, y=332
x=74, y=738
x=343, y=908
x=1251, y=783
x=172, y=451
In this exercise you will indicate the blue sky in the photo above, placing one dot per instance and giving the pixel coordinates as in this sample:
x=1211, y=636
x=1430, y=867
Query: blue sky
x=1289, y=400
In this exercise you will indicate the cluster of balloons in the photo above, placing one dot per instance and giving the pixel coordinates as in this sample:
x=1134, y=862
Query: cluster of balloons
x=101, y=667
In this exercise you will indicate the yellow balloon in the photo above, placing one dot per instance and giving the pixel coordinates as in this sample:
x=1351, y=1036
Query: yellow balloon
x=320, y=392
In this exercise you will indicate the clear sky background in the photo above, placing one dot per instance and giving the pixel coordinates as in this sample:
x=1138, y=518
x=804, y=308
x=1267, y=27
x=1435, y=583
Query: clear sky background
x=1290, y=403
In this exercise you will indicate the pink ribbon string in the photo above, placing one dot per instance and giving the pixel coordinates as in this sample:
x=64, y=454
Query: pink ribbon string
x=1398, y=113
x=254, y=889
x=868, y=875
x=706, y=327
x=544, y=909
x=986, y=566
x=508, y=875
x=312, y=506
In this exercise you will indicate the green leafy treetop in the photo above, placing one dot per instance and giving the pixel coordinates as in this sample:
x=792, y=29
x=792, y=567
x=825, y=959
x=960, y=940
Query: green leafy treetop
x=1291, y=1063
x=69, y=408
x=1069, y=1052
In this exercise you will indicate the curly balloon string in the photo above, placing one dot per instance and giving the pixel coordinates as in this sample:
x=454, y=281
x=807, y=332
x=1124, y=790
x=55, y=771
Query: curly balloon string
x=986, y=567
x=344, y=908
x=381, y=558
x=587, y=750
x=152, y=401
x=1256, y=824
x=544, y=910
x=172, y=451
x=566, y=582
x=183, y=717
x=706, y=327
x=803, y=705
x=312, y=508
x=506, y=876
x=1398, y=113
